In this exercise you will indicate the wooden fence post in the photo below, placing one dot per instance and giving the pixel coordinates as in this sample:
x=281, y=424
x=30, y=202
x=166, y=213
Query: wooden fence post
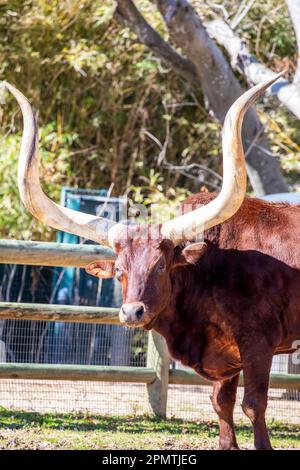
x=158, y=358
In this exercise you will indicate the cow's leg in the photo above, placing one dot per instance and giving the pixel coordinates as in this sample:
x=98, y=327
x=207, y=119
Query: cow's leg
x=256, y=383
x=223, y=400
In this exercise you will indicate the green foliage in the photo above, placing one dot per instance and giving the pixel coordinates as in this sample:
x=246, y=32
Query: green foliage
x=101, y=96
x=268, y=30
x=15, y=222
x=161, y=205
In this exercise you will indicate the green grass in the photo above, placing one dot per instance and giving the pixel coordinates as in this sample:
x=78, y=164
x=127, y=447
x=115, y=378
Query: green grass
x=24, y=430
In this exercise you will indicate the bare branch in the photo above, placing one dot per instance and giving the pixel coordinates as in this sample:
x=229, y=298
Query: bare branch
x=217, y=6
x=242, y=11
x=103, y=207
x=255, y=72
x=186, y=169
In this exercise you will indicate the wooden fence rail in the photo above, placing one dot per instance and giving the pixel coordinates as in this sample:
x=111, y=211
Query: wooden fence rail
x=77, y=372
x=52, y=312
x=52, y=254
x=146, y=375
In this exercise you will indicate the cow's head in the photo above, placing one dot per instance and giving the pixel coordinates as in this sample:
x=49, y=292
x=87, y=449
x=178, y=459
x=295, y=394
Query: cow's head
x=144, y=264
x=144, y=267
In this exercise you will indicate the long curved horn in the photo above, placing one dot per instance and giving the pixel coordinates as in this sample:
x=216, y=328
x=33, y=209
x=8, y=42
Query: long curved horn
x=32, y=195
x=229, y=200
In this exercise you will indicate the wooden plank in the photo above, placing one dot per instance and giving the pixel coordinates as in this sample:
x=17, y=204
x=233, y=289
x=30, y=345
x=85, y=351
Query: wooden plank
x=65, y=313
x=76, y=372
x=186, y=377
x=158, y=358
x=52, y=254
x=189, y=377
x=145, y=375
x=288, y=381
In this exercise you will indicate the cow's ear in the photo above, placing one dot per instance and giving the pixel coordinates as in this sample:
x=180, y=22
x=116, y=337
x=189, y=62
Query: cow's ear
x=190, y=254
x=101, y=269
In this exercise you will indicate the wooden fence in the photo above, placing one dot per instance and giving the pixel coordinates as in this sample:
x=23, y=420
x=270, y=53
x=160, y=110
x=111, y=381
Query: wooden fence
x=156, y=375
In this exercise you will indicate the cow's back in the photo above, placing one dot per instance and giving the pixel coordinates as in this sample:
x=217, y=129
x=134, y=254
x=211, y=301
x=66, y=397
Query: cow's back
x=266, y=227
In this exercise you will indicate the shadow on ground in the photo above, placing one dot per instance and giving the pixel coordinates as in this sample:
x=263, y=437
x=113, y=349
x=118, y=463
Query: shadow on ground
x=132, y=425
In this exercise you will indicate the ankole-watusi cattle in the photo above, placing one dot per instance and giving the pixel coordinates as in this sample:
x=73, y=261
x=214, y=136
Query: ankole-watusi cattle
x=225, y=304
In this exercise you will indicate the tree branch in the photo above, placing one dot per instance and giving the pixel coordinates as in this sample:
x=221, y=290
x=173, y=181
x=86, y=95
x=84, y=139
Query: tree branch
x=241, y=59
x=241, y=13
x=294, y=10
x=188, y=33
x=127, y=12
x=221, y=89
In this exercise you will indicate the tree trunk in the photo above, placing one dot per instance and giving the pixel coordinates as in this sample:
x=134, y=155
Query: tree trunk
x=294, y=10
x=221, y=89
x=207, y=68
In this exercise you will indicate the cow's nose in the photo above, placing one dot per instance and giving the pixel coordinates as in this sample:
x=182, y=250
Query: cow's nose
x=133, y=311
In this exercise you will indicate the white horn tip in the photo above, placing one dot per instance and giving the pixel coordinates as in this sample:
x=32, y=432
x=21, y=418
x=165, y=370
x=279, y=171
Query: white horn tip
x=115, y=233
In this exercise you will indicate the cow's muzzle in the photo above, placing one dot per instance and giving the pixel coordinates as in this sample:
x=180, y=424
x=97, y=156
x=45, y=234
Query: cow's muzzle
x=132, y=314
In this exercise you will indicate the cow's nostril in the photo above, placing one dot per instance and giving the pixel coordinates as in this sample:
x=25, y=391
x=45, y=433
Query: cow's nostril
x=139, y=313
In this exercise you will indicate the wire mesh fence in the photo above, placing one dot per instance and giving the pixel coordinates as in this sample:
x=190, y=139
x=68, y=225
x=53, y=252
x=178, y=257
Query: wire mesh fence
x=122, y=399
x=109, y=345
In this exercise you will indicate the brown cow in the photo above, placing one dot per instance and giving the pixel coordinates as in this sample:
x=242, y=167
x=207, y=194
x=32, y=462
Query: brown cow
x=224, y=304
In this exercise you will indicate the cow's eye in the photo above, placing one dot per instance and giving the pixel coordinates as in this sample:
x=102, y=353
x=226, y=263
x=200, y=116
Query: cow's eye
x=160, y=268
x=118, y=273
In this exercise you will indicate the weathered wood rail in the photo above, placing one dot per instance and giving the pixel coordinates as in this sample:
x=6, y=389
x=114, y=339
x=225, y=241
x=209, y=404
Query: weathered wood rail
x=77, y=372
x=51, y=254
x=65, y=313
x=157, y=375
x=146, y=375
